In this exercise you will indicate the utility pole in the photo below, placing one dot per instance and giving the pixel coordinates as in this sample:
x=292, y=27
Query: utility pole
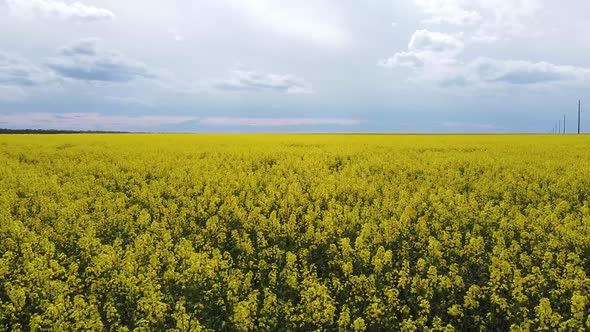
x=564, y=123
x=579, y=111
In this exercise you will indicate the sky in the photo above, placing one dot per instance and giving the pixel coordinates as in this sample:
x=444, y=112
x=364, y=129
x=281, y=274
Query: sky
x=407, y=66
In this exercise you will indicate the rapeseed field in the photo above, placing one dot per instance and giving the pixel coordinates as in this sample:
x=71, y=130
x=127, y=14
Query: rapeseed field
x=294, y=232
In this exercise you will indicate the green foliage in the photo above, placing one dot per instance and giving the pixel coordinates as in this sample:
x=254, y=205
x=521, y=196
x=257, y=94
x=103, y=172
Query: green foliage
x=294, y=232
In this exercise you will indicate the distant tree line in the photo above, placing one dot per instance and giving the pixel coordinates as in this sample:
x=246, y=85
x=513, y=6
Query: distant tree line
x=55, y=131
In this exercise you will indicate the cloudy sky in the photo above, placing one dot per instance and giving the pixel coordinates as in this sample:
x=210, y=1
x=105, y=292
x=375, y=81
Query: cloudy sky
x=294, y=66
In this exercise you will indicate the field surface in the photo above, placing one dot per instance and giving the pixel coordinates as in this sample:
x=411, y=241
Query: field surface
x=294, y=232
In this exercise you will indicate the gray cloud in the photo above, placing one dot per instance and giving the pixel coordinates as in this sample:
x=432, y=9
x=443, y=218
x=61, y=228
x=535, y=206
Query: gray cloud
x=129, y=101
x=16, y=71
x=57, y=9
x=86, y=121
x=484, y=72
x=83, y=60
x=276, y=122
x=241, y=79
x=86, y=46
x=524, y=72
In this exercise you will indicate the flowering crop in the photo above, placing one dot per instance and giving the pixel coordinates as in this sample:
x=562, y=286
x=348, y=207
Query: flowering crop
x=294, y=232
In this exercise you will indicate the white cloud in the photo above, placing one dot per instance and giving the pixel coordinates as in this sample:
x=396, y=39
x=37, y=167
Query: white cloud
x=404, y=59
x=249, y=80
x=426, y=48
x=434, y=57
x=58, y=9
x=448, y=11
x=437, y=42
x=89, y=121
x=276, y=122
x=486, y=20
x=176, y=35
x=83, y=60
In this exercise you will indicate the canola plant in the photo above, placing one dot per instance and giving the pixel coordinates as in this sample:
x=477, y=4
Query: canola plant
x=294, y=232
